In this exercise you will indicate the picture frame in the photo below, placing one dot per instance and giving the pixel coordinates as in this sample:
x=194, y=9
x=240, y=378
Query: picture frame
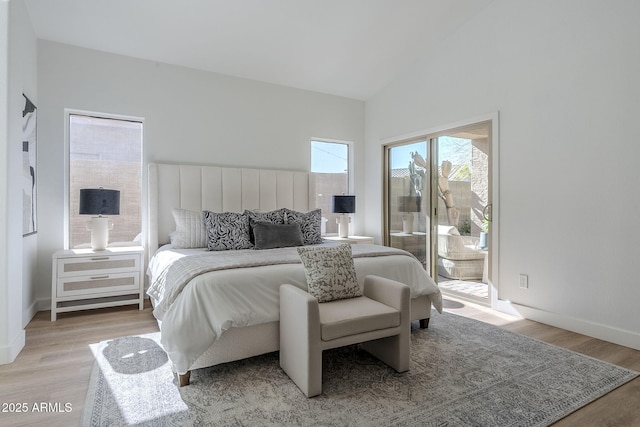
x=29, y=168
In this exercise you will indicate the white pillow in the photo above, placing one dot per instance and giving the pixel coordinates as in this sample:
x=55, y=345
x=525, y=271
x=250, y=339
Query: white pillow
x=190, y=232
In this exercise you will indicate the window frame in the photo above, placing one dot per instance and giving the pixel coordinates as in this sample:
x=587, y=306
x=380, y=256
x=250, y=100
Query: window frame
x=68, y=112
x=350, y=166
x=350, y=160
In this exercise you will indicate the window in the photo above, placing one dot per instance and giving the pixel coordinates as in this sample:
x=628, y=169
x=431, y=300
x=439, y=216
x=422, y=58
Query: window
x=105, y=151
x=331, y=168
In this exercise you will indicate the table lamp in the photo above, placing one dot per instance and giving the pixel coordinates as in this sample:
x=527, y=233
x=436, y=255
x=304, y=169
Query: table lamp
x=343, y=205
x=408, y=205
x=99, y=201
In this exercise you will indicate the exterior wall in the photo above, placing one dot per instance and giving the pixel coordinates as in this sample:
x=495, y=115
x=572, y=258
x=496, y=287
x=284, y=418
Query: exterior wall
x=119, y=174
x=479, y=183
x=332, y=184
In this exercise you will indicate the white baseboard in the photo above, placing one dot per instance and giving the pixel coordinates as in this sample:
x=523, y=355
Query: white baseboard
x=9, y=352
x=596, y=330
x=44, y=304
x=28, y=314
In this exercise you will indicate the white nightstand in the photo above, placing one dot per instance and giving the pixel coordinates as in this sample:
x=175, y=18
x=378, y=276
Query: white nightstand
x=83, y=279
x=351, y=239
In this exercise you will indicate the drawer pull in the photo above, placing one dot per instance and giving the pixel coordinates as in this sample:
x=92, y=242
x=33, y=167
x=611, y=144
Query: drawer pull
x=99, y=277
x=99, y=258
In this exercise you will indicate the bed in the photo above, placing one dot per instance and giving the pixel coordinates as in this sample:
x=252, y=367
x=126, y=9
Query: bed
x=222, y=305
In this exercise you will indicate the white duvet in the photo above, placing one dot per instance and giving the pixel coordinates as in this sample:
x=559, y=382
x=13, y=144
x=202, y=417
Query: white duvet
x=197, y=299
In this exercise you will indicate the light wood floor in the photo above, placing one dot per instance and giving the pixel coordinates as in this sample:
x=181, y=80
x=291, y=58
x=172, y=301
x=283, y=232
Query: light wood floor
x=55, y=365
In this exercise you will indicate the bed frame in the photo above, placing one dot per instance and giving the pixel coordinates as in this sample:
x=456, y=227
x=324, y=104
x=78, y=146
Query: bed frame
x=225, y=189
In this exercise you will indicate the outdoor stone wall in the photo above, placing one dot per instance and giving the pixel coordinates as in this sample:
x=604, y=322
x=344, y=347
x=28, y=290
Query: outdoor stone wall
x=326, y=185
x=463, y=199
x=479, y=183
x=462, y=196
x=128, y=224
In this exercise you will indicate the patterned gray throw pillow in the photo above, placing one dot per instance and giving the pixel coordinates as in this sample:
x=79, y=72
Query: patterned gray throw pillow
x=227, y=231
x=309, y=224
x=330, y=272
x=274, y=217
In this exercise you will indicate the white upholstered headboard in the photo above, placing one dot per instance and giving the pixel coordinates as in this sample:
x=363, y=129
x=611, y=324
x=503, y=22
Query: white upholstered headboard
x=219, y=189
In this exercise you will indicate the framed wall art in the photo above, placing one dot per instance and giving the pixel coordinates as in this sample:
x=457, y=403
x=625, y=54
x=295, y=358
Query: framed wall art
x=29, y=218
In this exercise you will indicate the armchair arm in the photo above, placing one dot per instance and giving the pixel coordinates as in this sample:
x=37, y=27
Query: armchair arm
x=300, y=339
x=388, y=292
x=394, y=351
x=299, y=316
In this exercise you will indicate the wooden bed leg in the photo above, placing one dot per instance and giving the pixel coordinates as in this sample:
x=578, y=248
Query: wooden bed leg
x=184, y=379
x=424, y=323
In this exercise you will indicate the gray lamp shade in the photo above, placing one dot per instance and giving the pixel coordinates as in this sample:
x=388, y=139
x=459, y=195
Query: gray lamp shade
x=99, y=201
x=343, y=204
x=409, y=203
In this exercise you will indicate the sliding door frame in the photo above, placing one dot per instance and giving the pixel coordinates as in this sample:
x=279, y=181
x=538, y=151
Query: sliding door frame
x=492, y=121
x=386, y=235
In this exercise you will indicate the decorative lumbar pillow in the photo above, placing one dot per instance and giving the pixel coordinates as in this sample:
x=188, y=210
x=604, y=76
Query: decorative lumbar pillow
x=226, y=231
x=269, y=236
x=190, y=230
x=330, y=272
x=309, y=224
x=273, y=217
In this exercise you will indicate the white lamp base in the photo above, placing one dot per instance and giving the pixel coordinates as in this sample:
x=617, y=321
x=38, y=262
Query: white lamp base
x=407, y=223
x=343, y=221
x=99, y=227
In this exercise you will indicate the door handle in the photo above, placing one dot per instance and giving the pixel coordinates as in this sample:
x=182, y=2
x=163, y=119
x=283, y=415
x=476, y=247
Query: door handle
x=487, y=212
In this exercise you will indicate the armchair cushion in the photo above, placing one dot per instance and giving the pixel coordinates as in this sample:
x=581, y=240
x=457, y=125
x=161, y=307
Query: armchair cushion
x=330, y=272
x=354, y=316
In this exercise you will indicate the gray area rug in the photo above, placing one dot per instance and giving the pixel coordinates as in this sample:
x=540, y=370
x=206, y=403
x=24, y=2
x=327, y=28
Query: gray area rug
x=463, y=373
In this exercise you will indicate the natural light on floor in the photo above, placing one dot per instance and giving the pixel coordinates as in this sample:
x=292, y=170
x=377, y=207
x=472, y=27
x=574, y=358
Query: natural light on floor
x=135, y=374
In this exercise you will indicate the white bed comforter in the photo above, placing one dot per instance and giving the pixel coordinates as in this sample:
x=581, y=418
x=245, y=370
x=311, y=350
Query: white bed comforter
x=198, y=294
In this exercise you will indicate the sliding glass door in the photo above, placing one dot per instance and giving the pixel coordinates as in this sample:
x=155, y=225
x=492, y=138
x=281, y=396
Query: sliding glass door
x=438, y=206
x=463, y=212
x=408, y=198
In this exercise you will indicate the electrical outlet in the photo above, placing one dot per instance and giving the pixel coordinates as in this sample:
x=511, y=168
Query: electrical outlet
x=524, y=281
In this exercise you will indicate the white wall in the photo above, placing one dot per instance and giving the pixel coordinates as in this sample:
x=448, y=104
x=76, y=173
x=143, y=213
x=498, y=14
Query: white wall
x=564, y=77
x=18, y=52
x=24, y=71
x=190, y=116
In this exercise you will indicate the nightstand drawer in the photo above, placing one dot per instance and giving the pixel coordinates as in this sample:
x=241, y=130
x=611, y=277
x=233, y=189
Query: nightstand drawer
x=82, y=278
x=102, y=264
x=98, y=283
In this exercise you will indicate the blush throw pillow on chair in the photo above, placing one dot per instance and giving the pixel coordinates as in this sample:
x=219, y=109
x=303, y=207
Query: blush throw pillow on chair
x=330, y=272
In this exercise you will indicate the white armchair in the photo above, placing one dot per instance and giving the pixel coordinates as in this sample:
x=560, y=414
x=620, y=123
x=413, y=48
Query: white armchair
x=380, y=320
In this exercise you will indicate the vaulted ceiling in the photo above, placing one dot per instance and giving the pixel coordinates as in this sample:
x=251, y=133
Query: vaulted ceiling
x=350, y=48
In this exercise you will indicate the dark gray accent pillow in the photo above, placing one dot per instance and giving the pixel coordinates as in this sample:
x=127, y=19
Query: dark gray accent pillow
x=226, y=231
x=269, y=236
x=274, y=217
x=309, y=224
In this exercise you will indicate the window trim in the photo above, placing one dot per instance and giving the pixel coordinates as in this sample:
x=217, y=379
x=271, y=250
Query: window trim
x=68, y=112
x=350, y=160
